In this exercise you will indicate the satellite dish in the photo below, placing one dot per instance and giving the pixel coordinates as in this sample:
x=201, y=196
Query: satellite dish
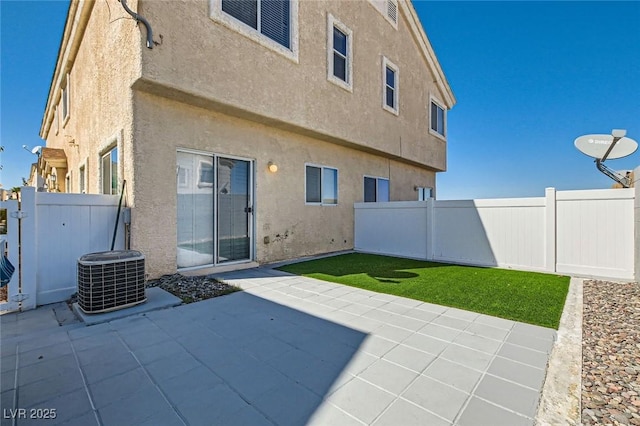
x=36, y=149
x=596, y=146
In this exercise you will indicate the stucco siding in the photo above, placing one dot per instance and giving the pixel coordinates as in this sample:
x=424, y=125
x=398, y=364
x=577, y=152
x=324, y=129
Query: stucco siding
x=209, y=60
x=293, y=227
x=100, y=108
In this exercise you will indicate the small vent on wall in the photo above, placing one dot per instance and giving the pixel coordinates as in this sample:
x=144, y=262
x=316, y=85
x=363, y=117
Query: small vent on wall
x=392, y=11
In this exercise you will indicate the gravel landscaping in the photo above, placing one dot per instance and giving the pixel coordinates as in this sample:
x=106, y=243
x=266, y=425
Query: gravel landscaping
x=611, y=353
x=192, y=289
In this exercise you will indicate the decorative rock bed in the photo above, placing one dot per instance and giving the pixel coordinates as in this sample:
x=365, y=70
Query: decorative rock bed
x=192, y=289
x=611, y=353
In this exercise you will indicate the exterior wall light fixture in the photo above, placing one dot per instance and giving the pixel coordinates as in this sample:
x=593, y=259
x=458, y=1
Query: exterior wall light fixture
x=272, y=167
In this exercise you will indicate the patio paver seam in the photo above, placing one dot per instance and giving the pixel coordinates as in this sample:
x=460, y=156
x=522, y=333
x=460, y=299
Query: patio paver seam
x=155, y=384
x=15, y=379
x=502, y=407
x=176, y=410
x=84, y=383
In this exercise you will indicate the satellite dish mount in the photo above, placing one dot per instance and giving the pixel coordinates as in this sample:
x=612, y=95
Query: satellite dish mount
x=603, y=147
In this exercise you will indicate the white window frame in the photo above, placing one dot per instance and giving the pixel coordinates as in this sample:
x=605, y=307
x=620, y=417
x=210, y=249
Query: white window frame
x=56, y=123
x=332, y=23
x=376, y=178
x=82, y=178
x=102, y=171
x=65, y=98
x=217, y=15
x=434, y=100
x=68, y=182
x=422, y=192
x=322, y=169
x=386, y=63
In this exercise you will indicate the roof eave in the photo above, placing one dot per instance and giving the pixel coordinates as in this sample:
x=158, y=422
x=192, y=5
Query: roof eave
x=429, y=54
x=75, y=25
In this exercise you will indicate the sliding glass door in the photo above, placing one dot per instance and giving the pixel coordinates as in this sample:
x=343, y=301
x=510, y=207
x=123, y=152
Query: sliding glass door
x=215, y=209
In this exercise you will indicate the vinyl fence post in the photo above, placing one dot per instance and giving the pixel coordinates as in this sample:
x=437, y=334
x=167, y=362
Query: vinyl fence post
x=430, y=228
x=28, y=247
x=636, y=223
x=550, y=207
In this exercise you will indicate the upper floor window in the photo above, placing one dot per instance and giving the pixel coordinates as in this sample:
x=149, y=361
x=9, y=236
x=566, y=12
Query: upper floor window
x=272, y=23
x=376, y=190
x=55, y=120
x=437, y=118
x=109, y=175
x=64, y=100
x=390, y=86
x=339, y=50
x=321, y=185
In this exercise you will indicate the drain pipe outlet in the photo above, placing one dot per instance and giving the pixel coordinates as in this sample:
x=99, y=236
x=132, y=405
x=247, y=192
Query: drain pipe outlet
x=139, y=18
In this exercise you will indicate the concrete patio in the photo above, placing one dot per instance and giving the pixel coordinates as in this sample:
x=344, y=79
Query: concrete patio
x=288, y=350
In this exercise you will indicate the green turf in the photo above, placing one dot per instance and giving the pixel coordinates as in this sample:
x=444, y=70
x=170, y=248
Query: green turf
x=529, y=297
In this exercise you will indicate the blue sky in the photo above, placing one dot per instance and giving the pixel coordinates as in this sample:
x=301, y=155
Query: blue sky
x=529, y=77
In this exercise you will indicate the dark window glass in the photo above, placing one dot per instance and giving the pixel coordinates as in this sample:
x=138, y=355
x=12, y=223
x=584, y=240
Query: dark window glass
x=274, y=20
x=313, y=190
x=390, y=100
x=437, y=119
x=243, y=10
x=369, y=190
x=339, y=67
x=391, y=77
x=340, y=41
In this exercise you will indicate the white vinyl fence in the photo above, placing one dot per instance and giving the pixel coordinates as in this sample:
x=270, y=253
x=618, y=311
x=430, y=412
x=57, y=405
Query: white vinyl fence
x=56, y=229
x=587, y=233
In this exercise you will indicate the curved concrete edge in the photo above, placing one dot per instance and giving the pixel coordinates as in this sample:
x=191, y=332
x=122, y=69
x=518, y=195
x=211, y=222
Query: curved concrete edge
x=560, y=402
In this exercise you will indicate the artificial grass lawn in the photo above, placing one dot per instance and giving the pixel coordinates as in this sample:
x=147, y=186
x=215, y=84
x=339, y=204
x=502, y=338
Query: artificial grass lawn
x=529, y=297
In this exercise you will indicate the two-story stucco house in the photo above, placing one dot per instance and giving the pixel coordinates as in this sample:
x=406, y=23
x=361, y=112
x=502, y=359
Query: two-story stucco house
x=250, y=128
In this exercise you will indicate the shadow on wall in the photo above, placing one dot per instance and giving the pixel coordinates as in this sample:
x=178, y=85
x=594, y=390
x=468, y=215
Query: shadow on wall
x=460, y=236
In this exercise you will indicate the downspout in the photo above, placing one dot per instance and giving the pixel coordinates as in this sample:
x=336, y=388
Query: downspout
x=139, y=18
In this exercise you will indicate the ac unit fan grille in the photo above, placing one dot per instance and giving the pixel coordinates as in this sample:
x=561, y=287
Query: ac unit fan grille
x=111, y=285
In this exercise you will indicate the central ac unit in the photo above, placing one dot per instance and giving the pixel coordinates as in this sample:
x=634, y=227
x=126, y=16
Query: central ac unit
x=110, y=280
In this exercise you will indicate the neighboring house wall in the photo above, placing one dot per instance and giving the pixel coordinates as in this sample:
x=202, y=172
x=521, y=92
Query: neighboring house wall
x=97, y=65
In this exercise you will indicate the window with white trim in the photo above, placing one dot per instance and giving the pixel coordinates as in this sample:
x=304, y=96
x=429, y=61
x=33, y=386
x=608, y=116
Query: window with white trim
x=81, y=176
x=424, y=193
x=109, y=172
x=55, y=119
x=390, y=84
x=437, y=118
x=321, y=185
x=64, y=100
x=270, y=18
x=376, y=190
x=339, y=53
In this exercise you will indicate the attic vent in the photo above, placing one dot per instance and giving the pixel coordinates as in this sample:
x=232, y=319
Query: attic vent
x=388, y=9
x=392, y=11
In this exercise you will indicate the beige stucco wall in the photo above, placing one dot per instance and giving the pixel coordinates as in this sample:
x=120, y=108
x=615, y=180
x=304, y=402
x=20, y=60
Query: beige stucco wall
x=164, y=126
x=100, y=106
x=211, y=61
